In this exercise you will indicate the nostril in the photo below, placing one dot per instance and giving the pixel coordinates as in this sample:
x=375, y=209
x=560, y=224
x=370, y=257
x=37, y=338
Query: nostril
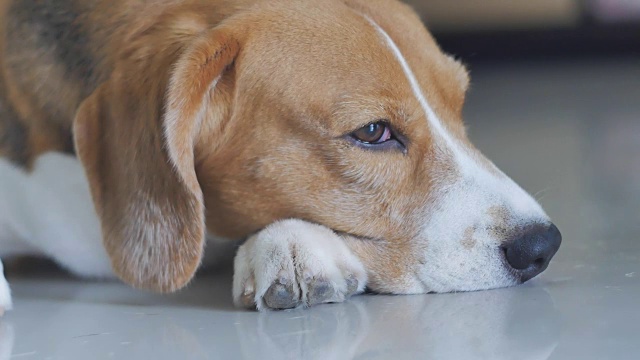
x=532, y=250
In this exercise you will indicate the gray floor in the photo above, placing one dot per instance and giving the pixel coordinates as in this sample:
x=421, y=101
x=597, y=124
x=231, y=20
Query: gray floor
x=569, y=132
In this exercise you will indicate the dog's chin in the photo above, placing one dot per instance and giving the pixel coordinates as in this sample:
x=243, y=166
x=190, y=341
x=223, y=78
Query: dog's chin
x=445, y=271
x=435, y=272
x=462, y=270
x=506, y=282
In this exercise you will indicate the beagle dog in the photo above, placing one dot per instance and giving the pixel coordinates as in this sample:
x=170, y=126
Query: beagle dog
x=324, y=138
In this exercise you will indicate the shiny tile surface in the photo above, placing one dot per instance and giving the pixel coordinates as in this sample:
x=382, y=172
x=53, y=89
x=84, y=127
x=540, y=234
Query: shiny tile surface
x=568, y=132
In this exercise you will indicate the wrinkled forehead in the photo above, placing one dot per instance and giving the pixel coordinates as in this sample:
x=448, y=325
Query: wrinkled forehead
x=328, y=53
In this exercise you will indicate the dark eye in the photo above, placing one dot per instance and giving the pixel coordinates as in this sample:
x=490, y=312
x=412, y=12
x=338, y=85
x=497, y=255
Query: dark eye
x=374, y=133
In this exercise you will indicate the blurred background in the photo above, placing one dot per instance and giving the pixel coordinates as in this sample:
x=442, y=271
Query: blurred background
x=520, y=29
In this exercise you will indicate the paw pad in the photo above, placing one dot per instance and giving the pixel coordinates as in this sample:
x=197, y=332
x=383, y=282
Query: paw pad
x=320, y=291
x=281, y=296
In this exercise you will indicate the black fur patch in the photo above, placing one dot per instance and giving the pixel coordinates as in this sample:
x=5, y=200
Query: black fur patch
x=13, y=135
x=58, y=28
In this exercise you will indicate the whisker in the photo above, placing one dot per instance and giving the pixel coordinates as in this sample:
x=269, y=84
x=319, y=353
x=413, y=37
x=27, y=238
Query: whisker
x=541, y=194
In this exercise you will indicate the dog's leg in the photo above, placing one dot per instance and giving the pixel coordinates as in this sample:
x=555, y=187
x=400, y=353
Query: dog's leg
x=12, y=231
x=295, y=263
x=5, y=292
x=48, y=212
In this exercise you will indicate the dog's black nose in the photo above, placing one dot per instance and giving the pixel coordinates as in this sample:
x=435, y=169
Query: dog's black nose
x=531, y=252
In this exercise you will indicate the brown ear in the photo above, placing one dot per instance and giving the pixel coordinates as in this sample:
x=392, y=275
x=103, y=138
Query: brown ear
x=135, y=138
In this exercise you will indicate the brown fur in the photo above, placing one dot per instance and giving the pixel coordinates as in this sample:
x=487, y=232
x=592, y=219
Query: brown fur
x=266, y=143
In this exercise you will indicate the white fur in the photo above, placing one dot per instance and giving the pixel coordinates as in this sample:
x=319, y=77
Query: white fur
x=462, y=204
x=5, y=292
x=49, y=212
x=295, y=250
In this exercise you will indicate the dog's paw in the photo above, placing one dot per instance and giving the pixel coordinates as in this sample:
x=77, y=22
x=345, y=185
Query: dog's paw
x=5, y=293
x=295, y=263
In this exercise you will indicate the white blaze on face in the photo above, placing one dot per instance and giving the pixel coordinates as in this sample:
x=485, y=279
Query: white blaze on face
x=462, y=252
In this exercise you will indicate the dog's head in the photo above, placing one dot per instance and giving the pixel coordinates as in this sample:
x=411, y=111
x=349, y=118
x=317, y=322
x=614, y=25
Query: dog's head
x=343, y=113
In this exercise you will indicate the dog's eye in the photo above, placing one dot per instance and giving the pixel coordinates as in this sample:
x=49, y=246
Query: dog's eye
x=374, y=133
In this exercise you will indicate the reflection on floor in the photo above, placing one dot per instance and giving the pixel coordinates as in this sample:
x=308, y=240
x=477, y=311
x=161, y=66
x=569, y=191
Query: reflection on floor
x=568, y=132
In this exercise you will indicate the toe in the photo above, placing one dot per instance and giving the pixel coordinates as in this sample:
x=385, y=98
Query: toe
x=352, y=285
x=320, y=291
x=281, y=295
x=247, y=298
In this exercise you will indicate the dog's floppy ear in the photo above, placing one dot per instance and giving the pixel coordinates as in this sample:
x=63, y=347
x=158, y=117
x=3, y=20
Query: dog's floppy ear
x=135, y=138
